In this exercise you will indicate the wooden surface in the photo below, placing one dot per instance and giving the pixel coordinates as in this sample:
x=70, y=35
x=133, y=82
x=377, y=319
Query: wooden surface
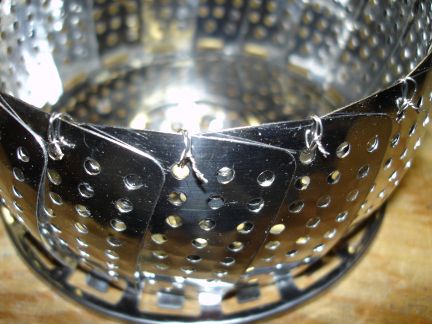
x=392, y=284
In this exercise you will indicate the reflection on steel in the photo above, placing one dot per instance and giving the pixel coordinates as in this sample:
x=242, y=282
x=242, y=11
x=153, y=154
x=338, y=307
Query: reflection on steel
x=190, y=175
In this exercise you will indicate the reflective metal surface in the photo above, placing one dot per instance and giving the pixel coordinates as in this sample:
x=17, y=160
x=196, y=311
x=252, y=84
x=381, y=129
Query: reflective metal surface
x=275, y=292
x=207, y=92
x=175, y=146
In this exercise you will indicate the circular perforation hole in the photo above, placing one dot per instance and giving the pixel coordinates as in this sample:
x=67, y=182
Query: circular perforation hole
x=419, y=103
x=17, y=207
x=133, y=182
x=245, y=227
x=236, y=246
x=174, y=221
x=199, y=242
x=352, y=195
x=86, y=190
x=16, y=192
x=22, y=154
x=268, y=258
x=296, y=206
x=159, y=238
x=373, y=144
x=188, y=270
x=113, y=274
x=81, y=243
x=255, y=205
x=180, y=171
x=54, y=177
x=426, y=121
x=395, y=140
x=18, y=174
x=215, y=202
x=302, y=183
x=55, y=229
x=291, y=253
x=400, y=116
x=324, y=201
x=343, y=150
x=177, y=198
x=82, y=210
x=277, y=229
x=319, y=248
x=124, y=205
x=111, y=265
x=412, y=129
x=404, y=154
x=330, y=234
x=225, y=175
x=307, y=157
x=112, y=255
x=408, y=164
x=207, y=224
x=227, y=261
x=221, y=273
x=49, y=212
x=313, y=222
x=56, y=198
x=342, y=216
x=118, y=225
x=272, y=245
x=302, y=240
x=266, y=178
x=91, y=166
x=81, y=228
x=114, y=241
x=334, y=177
x=161, y=255
x=388, y=163
x=84, y=254
x=363, y=172
x=417, y=144
x=393, y=176
x=193, y=258
x=161, y=266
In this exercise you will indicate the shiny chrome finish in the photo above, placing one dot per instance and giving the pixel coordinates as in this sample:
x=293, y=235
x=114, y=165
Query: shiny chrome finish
x=205, y=151
x=279, y=292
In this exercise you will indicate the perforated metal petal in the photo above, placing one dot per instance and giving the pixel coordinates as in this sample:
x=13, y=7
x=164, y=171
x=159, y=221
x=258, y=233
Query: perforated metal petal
x=105, y=199
x=406, y=137
x=317, y=210
x=175, y=227
x=22, y=163
x=218, y=226
x=64, y=30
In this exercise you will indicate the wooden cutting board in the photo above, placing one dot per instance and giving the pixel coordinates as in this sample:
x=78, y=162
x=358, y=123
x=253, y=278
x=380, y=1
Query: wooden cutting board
x=392, y=284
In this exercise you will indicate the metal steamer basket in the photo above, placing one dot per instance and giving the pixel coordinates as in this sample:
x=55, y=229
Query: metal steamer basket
x=186, y=160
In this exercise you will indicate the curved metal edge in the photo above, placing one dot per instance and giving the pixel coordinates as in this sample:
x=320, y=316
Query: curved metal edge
x=34, y=116
x=293, y=297
x=40, y=194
